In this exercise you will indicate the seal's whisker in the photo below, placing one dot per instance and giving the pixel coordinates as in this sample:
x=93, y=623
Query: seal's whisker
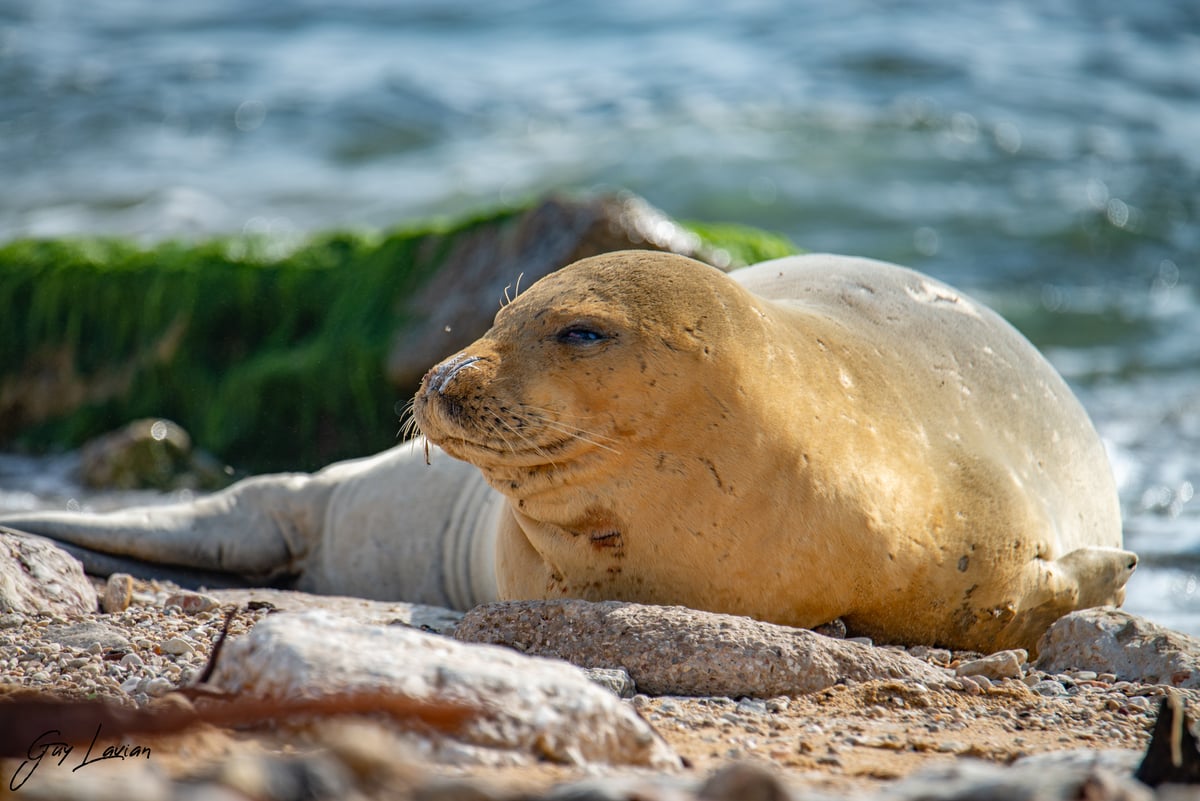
x=542, y=416
x=532, y=446
x=517, y=291
x=582, y=436
x=574, y=432
x=408, y=421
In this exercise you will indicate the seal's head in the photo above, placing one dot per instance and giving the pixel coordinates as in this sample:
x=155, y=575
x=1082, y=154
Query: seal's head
x=590, y=364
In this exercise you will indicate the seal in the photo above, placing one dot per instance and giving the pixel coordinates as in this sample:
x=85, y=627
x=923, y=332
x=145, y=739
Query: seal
x=809, y=439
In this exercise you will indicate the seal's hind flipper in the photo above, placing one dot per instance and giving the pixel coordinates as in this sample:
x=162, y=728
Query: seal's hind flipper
x=260, y=531
x=97, y=563
x=1100, y=573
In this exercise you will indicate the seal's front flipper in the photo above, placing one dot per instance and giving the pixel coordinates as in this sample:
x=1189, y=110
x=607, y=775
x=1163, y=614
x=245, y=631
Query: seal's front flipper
x=1099, y=573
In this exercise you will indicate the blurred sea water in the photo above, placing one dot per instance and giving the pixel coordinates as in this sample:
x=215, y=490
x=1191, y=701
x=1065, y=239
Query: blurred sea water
x=1044, y=156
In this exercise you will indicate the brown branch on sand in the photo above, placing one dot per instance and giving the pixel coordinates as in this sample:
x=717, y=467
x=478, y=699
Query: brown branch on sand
x=33, y=718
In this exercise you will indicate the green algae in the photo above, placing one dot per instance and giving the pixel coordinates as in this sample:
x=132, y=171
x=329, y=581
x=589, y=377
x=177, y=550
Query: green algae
x=742, y=243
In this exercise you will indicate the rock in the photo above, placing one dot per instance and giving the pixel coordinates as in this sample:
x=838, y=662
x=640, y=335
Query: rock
x=1128, y=646
x=148, y=454
x=968, y=779
x=1049, y=688
x=158, y=687
x=835, y=628
x=937, y=656
x=678, y=651
x=617, y=681
x=1000, y=665
x=118, y=593
x=457, y=305
x=742, y=781
x=526, y=709
x=192, y=603
x=177, y=646
x=89, y=634
x=436, y=619
x=37, y=577
x=1118, y=761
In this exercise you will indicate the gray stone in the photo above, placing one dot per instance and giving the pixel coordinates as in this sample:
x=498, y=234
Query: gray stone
x=37, y=577
x=89, y=635
x=743, y=782
x=614, y=680
x=436, y=619
x=752, y=706
x=1000, y=665
x=523, y=709
x=177, y=646
x=1049, y=688
x=1120, y=761
x=679, y=651
x=1130, y=647
x=968, y=779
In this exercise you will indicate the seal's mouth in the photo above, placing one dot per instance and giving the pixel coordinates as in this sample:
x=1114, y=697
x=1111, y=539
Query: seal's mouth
x=488, y=433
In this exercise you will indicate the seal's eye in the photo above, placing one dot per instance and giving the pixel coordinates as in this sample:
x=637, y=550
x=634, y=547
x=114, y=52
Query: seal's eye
x=580, y=335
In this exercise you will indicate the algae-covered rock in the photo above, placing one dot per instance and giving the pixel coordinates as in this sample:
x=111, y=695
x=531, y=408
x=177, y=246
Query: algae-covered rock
x=149, y=454
x=278, y=355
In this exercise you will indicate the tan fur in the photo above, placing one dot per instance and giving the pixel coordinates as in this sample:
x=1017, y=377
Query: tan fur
x=850, y=439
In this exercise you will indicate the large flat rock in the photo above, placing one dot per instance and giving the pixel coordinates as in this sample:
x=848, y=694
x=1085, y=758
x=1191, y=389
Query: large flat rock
x=672, y=650
x=525, y=709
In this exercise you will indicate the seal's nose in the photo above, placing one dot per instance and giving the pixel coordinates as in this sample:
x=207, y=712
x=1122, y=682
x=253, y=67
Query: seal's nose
x=442, y=374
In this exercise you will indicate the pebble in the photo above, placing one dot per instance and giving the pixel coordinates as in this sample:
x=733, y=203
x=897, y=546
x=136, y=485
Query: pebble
x=118, y=593
x=177, y=646
x=1141, y=703
x=935, y=656
x=983, y=681
x=752, y=706
x=192, y=603
x=158, y=687
x=1049, y=688
x=1000, y=665
x=616, y=680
